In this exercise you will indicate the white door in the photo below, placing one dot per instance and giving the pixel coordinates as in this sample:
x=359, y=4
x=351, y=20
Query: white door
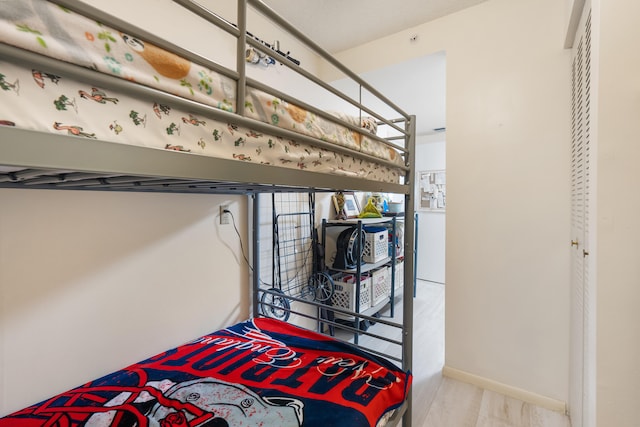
x=582, y=327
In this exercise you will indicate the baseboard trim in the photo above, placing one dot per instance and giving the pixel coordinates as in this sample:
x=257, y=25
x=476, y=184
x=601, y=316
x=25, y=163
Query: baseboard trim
x=507, y=390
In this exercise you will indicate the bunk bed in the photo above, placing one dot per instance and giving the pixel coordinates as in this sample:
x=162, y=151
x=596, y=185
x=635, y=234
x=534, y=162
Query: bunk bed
x=159, y=129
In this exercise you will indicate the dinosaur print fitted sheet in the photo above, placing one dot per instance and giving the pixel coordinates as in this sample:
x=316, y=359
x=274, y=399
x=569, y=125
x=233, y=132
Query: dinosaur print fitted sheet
x=263, y=372
x=38, y=99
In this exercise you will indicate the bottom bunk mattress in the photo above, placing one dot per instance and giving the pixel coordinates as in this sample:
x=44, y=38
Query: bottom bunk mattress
x=262, y=372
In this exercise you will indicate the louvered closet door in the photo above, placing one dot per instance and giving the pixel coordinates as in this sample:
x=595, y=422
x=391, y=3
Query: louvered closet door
x=580, y=191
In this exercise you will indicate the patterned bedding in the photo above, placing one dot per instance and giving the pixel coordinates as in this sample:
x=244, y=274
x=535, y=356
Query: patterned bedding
x=38, y=99
x=262, y=372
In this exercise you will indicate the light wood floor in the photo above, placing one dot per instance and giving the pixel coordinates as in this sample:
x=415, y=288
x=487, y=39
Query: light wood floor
x=444, y=402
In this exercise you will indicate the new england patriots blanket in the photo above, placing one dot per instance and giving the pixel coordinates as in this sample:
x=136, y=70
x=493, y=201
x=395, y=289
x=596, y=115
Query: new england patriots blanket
x=263, y=372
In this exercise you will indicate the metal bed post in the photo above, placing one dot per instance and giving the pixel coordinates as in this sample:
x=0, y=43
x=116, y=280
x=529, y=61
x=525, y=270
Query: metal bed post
x=409, y=262
x=275, y=269
x=241, y=88
x=255, y=238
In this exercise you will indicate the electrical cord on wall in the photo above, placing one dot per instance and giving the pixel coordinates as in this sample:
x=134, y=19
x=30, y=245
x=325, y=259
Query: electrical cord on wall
x=233, y=221
x=306, y=258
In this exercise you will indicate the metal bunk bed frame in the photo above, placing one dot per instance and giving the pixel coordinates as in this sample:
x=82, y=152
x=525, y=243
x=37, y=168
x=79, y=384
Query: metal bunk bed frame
x=38, y=160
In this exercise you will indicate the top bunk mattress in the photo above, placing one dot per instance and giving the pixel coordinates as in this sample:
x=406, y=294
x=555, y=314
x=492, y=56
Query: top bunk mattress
x=44, y=100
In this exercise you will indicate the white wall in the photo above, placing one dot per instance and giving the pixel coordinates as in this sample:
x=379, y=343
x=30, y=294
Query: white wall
x=91, y=282
x=618, y=204
x=507, y=294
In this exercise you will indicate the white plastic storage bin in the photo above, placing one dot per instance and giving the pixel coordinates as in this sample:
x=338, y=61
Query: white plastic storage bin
x=380, y=285
x=376, y=244
x=344, y=295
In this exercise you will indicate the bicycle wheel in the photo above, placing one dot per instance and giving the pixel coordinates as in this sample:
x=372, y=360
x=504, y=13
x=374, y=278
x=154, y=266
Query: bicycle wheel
x=322, y=286
x=276, y=306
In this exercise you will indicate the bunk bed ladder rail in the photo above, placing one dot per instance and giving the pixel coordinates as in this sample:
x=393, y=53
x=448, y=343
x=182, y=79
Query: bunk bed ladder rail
x=240, y=31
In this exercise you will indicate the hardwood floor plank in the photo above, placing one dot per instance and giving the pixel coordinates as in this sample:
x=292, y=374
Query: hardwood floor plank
x=428, y=348
x=424, y=394
x=498, y=410
x=457, y=404
x=541, y=417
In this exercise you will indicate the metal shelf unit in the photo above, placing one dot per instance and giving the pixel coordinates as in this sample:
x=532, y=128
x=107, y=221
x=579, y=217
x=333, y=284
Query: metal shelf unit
x=362, y=267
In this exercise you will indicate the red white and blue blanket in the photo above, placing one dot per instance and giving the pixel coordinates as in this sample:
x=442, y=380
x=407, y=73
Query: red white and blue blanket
x=263, y=372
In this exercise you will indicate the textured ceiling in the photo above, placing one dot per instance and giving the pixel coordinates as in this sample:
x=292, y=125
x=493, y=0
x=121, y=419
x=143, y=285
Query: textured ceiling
x=337, y=25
